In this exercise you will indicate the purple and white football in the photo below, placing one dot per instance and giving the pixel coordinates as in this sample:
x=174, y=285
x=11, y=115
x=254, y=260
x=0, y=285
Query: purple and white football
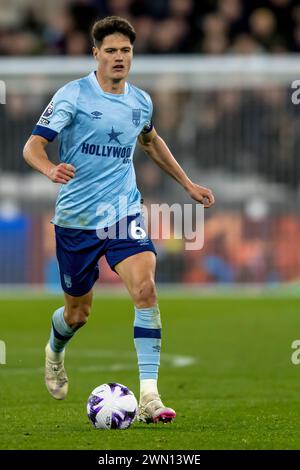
x=112, y=406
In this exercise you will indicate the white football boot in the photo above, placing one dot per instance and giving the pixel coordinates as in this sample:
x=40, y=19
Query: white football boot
x=152, y=410
x=56, y=379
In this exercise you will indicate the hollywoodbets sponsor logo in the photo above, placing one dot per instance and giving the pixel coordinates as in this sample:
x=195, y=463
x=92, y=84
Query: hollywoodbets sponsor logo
x=107, y=151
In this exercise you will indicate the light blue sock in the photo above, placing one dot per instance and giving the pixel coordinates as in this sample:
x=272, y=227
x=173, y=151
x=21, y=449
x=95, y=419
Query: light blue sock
x=147, y=341
x=61, y=333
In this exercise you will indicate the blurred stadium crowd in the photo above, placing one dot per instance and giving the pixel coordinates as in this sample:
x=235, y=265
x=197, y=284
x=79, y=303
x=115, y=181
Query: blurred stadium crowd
x=240, y=131
x=241, y=143
x=31, y=27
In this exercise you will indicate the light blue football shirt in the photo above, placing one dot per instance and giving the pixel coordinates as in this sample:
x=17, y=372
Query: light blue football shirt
x=98, y=132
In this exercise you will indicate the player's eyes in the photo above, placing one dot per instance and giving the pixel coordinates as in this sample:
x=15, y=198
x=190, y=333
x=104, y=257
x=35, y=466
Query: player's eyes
x=111, y=51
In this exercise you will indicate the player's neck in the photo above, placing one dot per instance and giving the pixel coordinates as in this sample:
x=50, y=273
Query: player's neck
x=111, y=86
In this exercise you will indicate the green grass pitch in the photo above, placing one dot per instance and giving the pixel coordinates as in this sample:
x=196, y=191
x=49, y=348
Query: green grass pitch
x=226, y=369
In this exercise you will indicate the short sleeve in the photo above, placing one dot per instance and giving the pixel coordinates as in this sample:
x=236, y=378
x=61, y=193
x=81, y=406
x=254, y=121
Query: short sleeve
x=59, y=113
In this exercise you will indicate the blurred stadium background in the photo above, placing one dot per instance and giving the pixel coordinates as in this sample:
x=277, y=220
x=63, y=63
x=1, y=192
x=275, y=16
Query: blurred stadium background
x=220, y=75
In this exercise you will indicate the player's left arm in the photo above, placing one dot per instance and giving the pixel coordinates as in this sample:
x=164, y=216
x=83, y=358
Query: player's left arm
x=158, y=151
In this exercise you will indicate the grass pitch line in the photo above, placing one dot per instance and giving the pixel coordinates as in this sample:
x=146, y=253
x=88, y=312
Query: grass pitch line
x=172, y=360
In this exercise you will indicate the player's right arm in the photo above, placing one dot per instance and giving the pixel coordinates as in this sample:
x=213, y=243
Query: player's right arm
x=59, y=114
x=35, y=155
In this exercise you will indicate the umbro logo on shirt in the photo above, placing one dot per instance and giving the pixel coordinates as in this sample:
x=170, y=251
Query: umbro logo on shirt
x=96, y=115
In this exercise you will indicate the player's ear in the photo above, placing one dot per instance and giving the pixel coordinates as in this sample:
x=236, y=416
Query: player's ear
x=95, y=51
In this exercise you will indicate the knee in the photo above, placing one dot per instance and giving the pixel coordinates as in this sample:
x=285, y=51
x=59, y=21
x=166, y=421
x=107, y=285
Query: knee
x=77, y=315
x=144, y=294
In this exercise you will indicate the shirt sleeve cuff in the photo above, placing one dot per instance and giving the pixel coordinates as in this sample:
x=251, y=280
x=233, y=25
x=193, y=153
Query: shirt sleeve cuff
x=48, y=134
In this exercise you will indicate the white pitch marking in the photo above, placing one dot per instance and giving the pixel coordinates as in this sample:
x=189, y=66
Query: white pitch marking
x=173, y=360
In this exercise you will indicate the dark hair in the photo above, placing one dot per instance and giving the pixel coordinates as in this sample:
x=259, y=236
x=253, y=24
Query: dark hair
x=111, y=25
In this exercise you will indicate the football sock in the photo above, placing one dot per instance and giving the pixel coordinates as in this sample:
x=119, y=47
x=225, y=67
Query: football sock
x=147, y=341
x=61, y=333
x=148, y=386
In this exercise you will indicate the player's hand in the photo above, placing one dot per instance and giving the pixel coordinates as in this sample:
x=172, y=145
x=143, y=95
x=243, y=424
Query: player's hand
x=62, y=173
x=201, y=194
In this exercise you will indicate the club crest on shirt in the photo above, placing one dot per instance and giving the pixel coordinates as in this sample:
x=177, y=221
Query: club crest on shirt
x=136, y=117
x=49, y=110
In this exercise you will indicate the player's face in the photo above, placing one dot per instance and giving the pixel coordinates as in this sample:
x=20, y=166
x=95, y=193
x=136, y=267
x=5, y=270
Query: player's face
x=114, y=56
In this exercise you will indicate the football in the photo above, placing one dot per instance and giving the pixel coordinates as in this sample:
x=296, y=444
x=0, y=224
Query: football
x=112, y=406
